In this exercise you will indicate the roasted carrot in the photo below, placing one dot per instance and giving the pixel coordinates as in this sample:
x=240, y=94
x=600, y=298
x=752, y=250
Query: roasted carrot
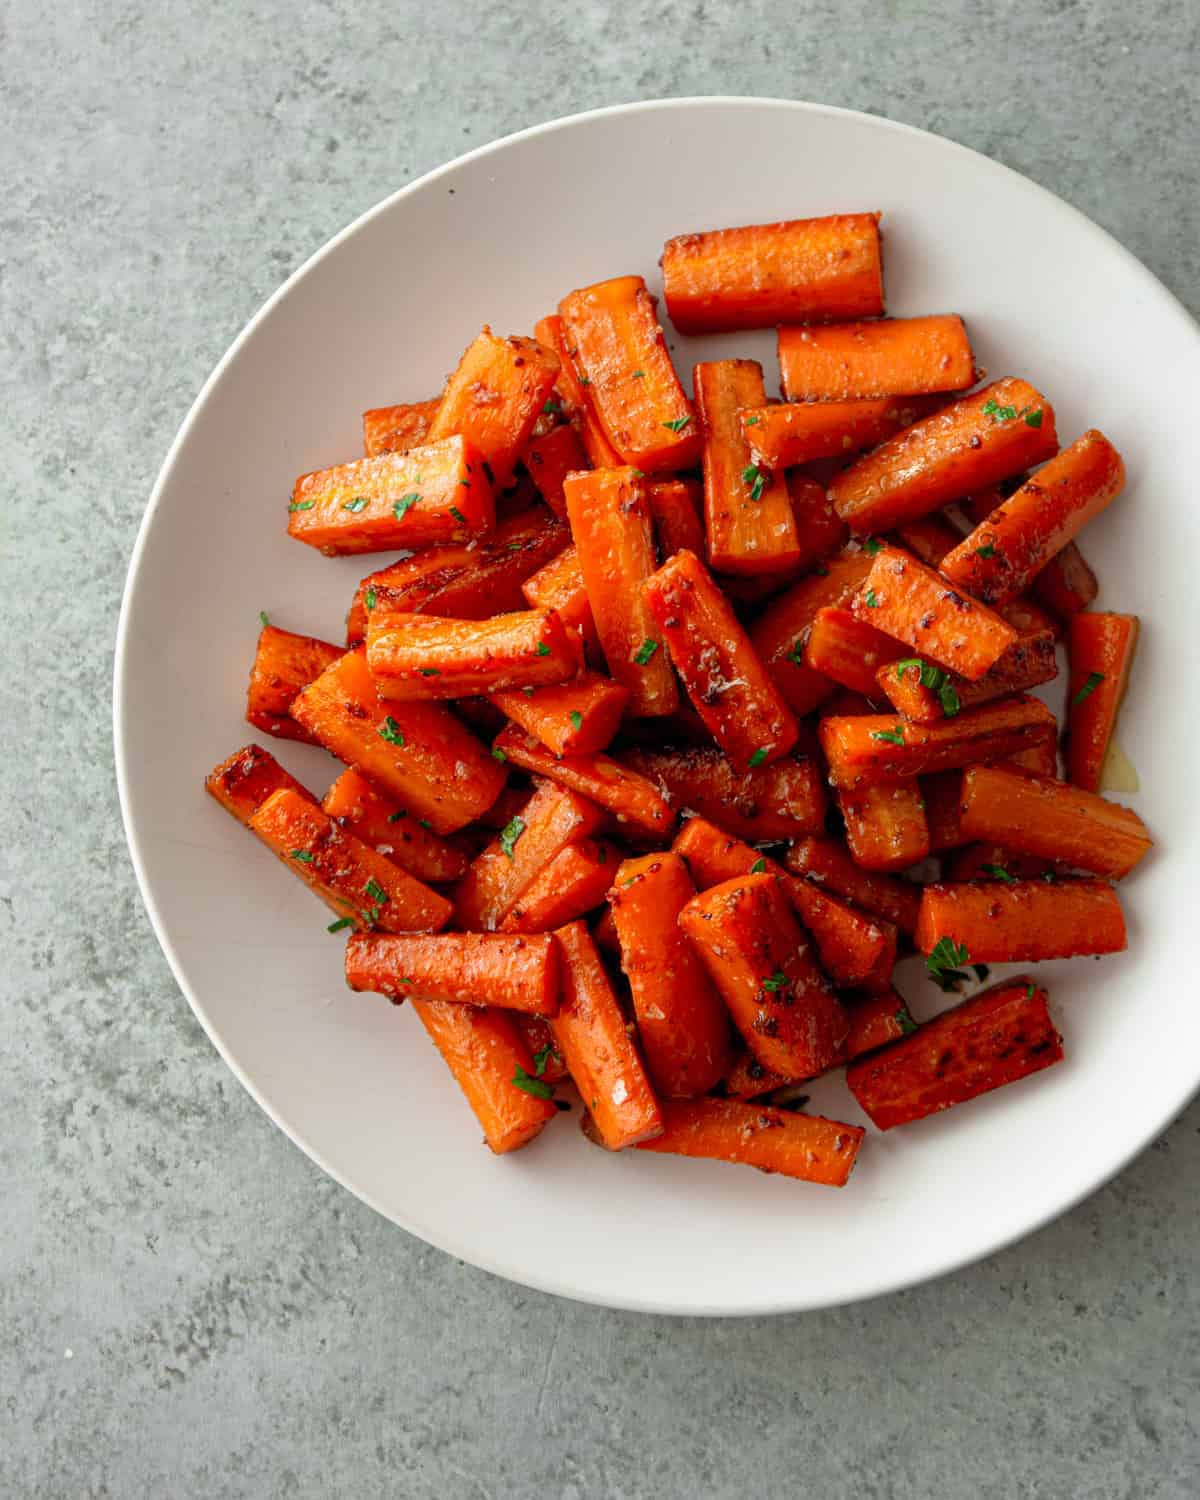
x=438, y=492
x=796, y=271
x=283, y=664
x=392, y=429
x=826, y=863
x=820, y=531
x=559, y=585
x=965, y=446
x=374, y=816
x=577, y=717
x=1007, y=550
x=604, y=930
x=465, y=968
x=1066, y=584
x=629, y=797
x=243, y=783
x=885, y=825
x=747, y=510
x=864, y=361
x=991, y=862
x=799, y=432
x=782, y=800
x=996, y=1037
x=942, y=795
x=1019, y=921
x=360, y=886
x=848, y=650
x=610, y=521
x=425, y=656
x=1037, y=815
x=591, y=1034
x=548, y=1064
x=926, y=693
x=1100, y=648
x=728, y=686
x=618, y=349
x=417, y=752
x=1041, y=758
x=550, y=458
x=675, y=508
x=575, y=398
x=575, y=881
x=682, y=1024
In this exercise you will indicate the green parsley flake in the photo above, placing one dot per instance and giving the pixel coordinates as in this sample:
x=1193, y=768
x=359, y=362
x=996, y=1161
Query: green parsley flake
x=264, y=617
x=942, y=962
x=431, y=672
x=576, y=719
x=936, y=679
x=375, y=891
x=404, y=505
x=759, y=867
x=872, y=599
x=302, y=505
x=756, y=479
x=997, y=872
x=1034, y=418
x=370, y=599
x=891, y=736
x=360, y=502
x=551, y=409
x=758, y=757
x=639, y=375
x=1094, y=679
x=538, y=1087
x=541, y=1057
x=751, y=421
x=1030, y=990
x=510, y=834
x=390, y=731
x=458, y=515
x=905, y=1021
x=678, y=424
x=498, y=754
x=992, y=408
x=302, y=855
x=543, y=649
x=425, y=824
x=401, y=812
x=341, y=923
x=872, y=545
x=645, y=651
x=987, y=550
x=777, y=981
x=796, y=654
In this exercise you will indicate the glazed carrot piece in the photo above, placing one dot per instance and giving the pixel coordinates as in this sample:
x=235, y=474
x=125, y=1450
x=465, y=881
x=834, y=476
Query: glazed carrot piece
x=1007, y=551
x=747, y=511
x=728, y=686
x=1100, y=648
x=820, y=531
x=574, y=882
x=392, y=429
x=782, y=800
x=963, y=447
x=682, y=1024
x=748, y=1079
x=1066, y=584
x=435, y=493
x=755, y=951
x=283, y=664
x=361, y=887
x=494, y=397
x=780, y=633
x=462, y=968
x=496, y=880
x=675, y=508
x=1020, y=921
x=864, y=361
x=826, y=863
x=799, y=432
x=368, y=812
x=610, y=521
x=928, y=538
x=604, y=930
x=243, y=782
x=629, y=797
x=1041, y=758
x=996, y=1037
x=991, y=862
x=577, y=717
x=590, y=1032
x=942, y=795
x=849, y=650
x=490, y=1060
x=574, y=397
x=424, y=656
x=559, y=585
x=885, y=825
x=1036, y=815
x=548, y=1064
x=926, y=693
x=795, y=271
x=617, y=347
x=550, y=458
x=417, y=752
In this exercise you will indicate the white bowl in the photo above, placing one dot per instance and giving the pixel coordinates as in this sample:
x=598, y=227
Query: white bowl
x=380, y=315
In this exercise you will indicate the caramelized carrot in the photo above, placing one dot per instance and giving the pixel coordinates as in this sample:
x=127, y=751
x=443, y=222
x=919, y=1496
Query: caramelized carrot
x=1100, y=648
x=727, y=684
x=820, y=531
x=925, y=693
x=243, y=783
x=928, y=538
x=864, y=361
x=368, y=812
x=392, y=429
x=575, y=881
x=618, y=348
x=575, y=397
x=604, y=931
x=849, y=650
x=885, y=825
x=991, y=862
x=423, y=656
x=550, y=458
x=675, y=508
x=1041, y=758
x=435, y=493
x=464, y=968
x=548, y=1064
x=629, y=797
x=961, y=448
x=996, y=1037
x=590, y=1032
x=942, y=795
x=559, y=585
x=1020, y=921
x=747, y=511
x=1066, y=584
x=826, y=863
x=781, y=800
x=570, y=718
x=797, y=271
x=283, y=664
x=799, y=432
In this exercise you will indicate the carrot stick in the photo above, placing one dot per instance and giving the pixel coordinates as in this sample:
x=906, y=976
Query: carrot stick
x=1040, y=758
x=747, y=511
x=1019, y=921
x=368, y=812
x=798, y=271
x=283, y=664
x=928, y=538
x=1100, y=648
x=798, y=432
x=1003, y=1034
x=392, y=429
x=884, y=747
x=243, y=783
x=570, y=718
x=1036, y=815
x=849, y=650
x=610, y=521
x=926, y=693
x=629, y=797
x=942, y=795
x=727, y=684
x=575, y=397
x=618, y=348
x=591, y=1034
x=548, y=1064
x=828, y=865
x=361, y=887
x=604, y=930
x=1005, y=553
x=464, y=968
x=417, y=752
x=559, y=585
x=820, y=531
x=782, y=800
x=1066, y=584
x=963, y=447
x=675, y=508
x=550, y=458
x=435, y=493
x=574, y=882
x=885, y=825
x=864, y=361
x=423, y=656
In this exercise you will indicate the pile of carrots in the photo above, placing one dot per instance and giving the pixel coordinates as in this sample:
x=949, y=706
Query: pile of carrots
x=651, y=730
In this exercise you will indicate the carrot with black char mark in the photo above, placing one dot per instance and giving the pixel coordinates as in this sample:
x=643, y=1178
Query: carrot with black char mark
x=1100, y=649
x=782, y=800
x=1022, y=921
x=463, y=968
x=865, y=361
x=243, y=782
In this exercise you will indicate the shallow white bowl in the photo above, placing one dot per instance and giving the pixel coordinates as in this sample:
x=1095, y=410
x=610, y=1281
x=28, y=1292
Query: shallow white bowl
x=380, y=315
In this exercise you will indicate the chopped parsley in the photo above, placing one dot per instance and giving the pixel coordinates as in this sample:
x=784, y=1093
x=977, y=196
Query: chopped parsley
x=576, y=719
x=678, y=424
x=543, y=649
x=302, y=855
x=538, y=1087
x=401, y=812
x=1094, y=679
x=872, y=545
x=431, y=672
x=551, y=408
x=638, y=375
x=777, y=981
x=404, y=505
x=375, y=891
x=1030, y=990
x=756, y=479
x=510, y=834
x=457, y=514
x=936, y=679
x=987, y=550
x=498, y=754
x=645, y=651
x=758, y=757
x=264, y=617
x=796, y=654
x=301, y=505
x=425, y=824
x=390, y=731
x=751, y=421
x=1034, y=418
x=872, y=599
x=759, y=867
x=905, y=1021
x=992, y=408
x=360, y=502
x=340, y=924
x=891, y=736
x=997, y=872
x=370, y=599
x=942, y=962
x=541, y=1057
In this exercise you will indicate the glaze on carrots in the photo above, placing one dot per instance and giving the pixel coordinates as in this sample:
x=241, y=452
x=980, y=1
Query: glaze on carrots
x=465, y=968
x=425, y=657
x=374, y=816
x=1100, y=649
x=1021, y=921
x=866, y=361
x=392, y=429
x=781, y=800
x=284, y=663
x=578, y=717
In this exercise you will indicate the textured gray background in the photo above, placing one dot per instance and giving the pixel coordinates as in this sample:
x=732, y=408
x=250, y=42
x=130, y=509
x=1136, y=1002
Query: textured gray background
x=186, y=1305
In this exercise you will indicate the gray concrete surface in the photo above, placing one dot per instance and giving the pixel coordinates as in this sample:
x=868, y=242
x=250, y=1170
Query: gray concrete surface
x=186, y=1305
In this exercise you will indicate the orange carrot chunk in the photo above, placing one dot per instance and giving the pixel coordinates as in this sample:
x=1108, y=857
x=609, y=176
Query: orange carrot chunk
x=577, y=717
x=820, y=531
x=575, y=398
x=422, y=656
x=926, y=693
x=675, y=507
x=629, y=797
x=864, y=361
x=1066, y=584
x=942, y=795
x=368, y=812
x=799, y=432
x=550, y=458
x=928, y=538
x=1019, y=921
x=392, y=429
x=548, y=1064
x=574, y=882
x=1100, y=648
x=886, y=827
x=559, y=585
x=465, y=968
x=283, y=664
x=827, y=864
x=991, y=862
x=849, y=650
x=782, y=800
x=243, y=783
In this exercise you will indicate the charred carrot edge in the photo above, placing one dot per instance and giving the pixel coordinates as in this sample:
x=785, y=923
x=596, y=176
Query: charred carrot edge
x=578, y=717
x=942, y=795
x=559, y=585
x=782, y=800
x=425, y=657
x=681, y=1022
x=864, y=361
x=548, y=1064
x=799, y=432
x=438, y=492
x=618, y=348
x=748, y=515
x=727, y=684
x=758, y=275
x=820, y=531
x=498, y=877
x=886, y=829
x=283, y=664
x=850, y=651
x=1037, y=815
x=629, y=797
x=1100, y=649
x=575, y=398
x=363, y=888
x=675, y=506
x=575, y=881
x=965, y=446
x=550, y=458
x=610, y=521
x=991, y=862
x=1020, y=921
x=1066, y=584
x=1003, y=1034
x=392, y=429
x=827, y=863
x=926, y=693
x=464, y=968
x=244, y=781
x=368, y=812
